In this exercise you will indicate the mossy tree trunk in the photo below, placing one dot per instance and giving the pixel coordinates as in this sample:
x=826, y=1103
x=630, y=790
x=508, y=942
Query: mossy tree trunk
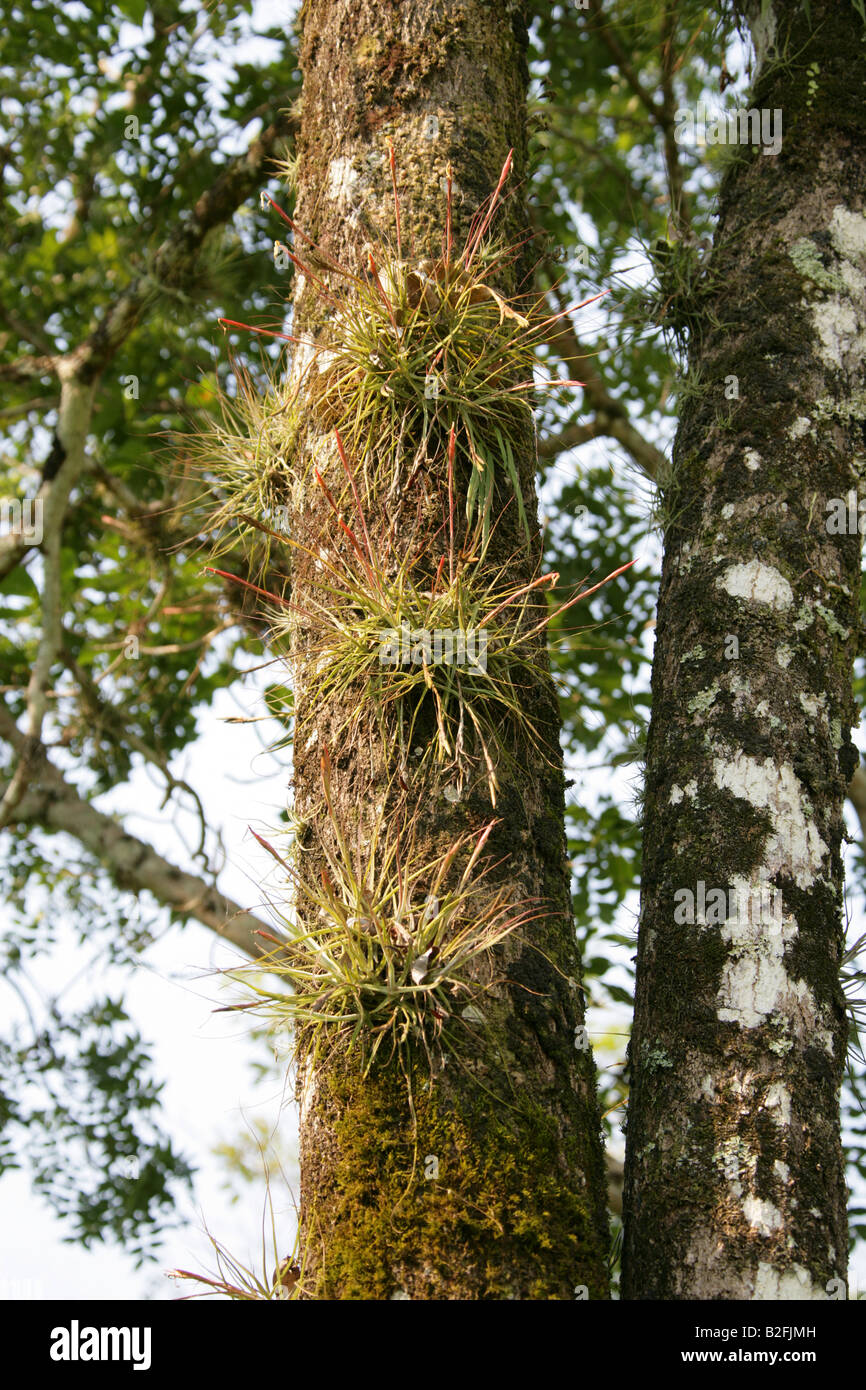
x=734, y=1184
x=473, y=1170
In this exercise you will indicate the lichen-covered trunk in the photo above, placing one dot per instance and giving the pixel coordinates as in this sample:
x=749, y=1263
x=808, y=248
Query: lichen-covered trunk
x=471, y=1169
x=734, y=1185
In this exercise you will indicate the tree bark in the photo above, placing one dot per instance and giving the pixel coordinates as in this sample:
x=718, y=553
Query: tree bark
x=734, y=1185
x=516, y=1208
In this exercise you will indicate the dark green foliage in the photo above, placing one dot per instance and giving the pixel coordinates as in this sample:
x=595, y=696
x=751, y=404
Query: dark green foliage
x=81, y=1108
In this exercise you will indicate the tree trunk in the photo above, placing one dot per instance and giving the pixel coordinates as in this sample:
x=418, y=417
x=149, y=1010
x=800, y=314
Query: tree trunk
x=473, y=1168
x=734, y=1184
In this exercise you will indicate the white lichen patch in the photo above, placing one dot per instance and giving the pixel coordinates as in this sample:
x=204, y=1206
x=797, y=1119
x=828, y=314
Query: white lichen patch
x=308, y=1088
x=752, y=460
x=814, y=705
x=784, y=656
x=842, y=342
x=794, y=846
x=700, y=703
x=775, y=1285
x=676, y=795
x=782, y=1171
x=683, y=559
x=800, y=427
x=302, y=358
x=757, y=582
x=833, y=624
x=729, y=1157
x=343, y=182
x=763, y=31
x=755, y=985
x=762, y=1216
x=848, y=233
x=741, y=689
x=778, y=1098
x=838, y=318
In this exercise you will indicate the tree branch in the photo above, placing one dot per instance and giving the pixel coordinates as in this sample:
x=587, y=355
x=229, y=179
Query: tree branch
x=604, y=28
x=76, y=403
x=26, y=368
x=662, y=113
x=52, y=802
x=11, y=412
x=571, y=437
x=610, y=417
x=29, y=332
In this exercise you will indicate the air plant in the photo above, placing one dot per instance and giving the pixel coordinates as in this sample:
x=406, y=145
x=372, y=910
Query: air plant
x=374, y=618
x=426, y=351
x=280, y=1278
x=247, y=447
x=388, y=941
x=418, y=362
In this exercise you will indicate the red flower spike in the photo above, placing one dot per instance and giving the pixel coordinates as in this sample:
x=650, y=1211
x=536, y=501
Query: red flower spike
x=396, y=199
x=452, y=446
x=347, y=529
x=475, y=239
x=232, y=323
x=359, y=509
x=236, y=579
x=382, y=295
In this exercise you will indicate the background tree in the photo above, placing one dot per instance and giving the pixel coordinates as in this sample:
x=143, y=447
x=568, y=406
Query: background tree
x=734, y=1177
